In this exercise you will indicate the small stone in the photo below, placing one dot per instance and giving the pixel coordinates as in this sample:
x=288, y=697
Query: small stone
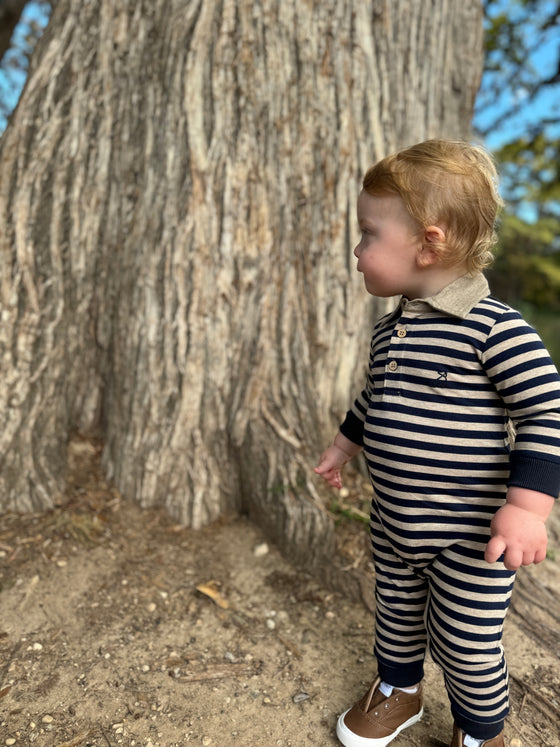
x=270, y=624
x=37, y=647
x=261, y=550
x=61, y=563
x=300, y=697
x=152, y=607
x=47, y=719
x=515, y=742
x=344, y=493
x=145, y=668
x=10, y=740
x=206, y=740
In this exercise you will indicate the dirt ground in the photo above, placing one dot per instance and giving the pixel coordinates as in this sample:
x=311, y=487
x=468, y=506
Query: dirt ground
x=118, y=627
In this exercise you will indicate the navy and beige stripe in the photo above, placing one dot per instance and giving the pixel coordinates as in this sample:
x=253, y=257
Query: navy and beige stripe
x=447, y=376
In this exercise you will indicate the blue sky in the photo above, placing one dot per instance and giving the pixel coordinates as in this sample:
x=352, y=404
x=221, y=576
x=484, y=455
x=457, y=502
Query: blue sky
x=12, y=83
x=546, y=104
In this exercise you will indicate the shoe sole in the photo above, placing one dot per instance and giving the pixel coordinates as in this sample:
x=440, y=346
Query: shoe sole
x=349, y=739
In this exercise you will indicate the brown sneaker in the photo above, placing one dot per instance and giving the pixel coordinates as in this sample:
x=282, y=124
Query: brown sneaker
x=376, y=720
x=459, y=739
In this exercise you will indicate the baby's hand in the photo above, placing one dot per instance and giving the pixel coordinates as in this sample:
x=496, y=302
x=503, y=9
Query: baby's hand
x=336, y=457
x=330, y=464
x=518, y=529
x=519, y=534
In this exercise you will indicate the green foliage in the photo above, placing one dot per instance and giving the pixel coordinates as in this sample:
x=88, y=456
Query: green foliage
x=530, y=169
x=527, y=267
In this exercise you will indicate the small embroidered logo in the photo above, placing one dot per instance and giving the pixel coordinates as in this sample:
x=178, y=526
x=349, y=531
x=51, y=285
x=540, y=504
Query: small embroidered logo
x=442, y=376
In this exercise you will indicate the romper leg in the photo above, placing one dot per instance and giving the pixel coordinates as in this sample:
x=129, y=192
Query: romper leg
x=467, y=605
x=400, y=594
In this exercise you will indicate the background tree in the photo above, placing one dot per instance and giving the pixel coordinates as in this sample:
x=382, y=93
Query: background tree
x=177, y=196
x=517, y=111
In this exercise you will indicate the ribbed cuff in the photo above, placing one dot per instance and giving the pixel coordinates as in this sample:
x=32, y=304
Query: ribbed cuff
x=400, y=675
x=475, y=728
x=353, y=428
x=533, y=473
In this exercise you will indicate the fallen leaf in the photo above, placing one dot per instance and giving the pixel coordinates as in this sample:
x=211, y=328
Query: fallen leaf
x=210, y=589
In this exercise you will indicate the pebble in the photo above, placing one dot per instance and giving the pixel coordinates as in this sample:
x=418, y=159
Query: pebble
x=300, y=697
x=515, y=742
x=344, y=493
x=206, y=740
x=152, y=607
x=10, y=740
x=47, y=719
x=261, y=550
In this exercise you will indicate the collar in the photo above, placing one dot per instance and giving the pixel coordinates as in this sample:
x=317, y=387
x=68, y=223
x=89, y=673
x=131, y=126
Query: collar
x=457, y=299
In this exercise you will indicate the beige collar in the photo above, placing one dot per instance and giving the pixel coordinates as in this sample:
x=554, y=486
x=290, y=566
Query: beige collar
x=460, y=296
x=457, y=298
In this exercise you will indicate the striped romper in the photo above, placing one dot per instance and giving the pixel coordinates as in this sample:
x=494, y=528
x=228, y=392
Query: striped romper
x=446, y=375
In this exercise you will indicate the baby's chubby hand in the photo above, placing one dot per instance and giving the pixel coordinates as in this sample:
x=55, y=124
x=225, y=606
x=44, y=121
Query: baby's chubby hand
x=518, y=529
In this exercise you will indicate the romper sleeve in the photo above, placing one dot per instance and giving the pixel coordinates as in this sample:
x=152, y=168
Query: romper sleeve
x=521, y=369
x=353, y=424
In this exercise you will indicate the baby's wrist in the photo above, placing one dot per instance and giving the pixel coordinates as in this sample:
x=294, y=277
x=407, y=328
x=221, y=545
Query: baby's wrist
x=347, y=447
x=536, y=504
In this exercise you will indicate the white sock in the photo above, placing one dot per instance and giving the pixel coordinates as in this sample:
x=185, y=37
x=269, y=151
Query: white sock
x=387, y=690
x=469, y=741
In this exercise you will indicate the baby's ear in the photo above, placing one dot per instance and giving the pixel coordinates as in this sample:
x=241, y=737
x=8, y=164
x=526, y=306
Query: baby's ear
x=432, y=247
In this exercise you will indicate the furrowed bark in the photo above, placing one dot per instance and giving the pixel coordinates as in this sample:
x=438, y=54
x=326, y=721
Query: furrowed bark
x=178, y=188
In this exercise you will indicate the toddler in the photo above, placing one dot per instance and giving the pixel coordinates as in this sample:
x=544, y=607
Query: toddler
x=456, y=509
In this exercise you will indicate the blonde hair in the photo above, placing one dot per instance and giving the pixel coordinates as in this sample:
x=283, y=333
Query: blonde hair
x=450, y=184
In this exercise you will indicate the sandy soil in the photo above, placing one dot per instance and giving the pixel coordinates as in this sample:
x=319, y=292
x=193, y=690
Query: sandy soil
x=119, y=628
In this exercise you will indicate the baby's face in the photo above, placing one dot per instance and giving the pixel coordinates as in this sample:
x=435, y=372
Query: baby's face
x=389, y=247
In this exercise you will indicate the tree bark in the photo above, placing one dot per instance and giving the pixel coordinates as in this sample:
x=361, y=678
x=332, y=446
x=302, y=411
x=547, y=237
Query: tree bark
x=178, y=188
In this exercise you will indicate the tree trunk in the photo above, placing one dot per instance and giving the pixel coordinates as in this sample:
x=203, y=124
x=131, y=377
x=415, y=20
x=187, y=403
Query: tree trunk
x=178, y=188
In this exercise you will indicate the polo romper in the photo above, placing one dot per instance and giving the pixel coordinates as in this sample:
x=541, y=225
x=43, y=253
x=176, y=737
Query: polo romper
x=446, y=376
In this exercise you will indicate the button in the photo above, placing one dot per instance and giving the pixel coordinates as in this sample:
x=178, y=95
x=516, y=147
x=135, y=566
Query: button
x=401, y=332
x=393, y=365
